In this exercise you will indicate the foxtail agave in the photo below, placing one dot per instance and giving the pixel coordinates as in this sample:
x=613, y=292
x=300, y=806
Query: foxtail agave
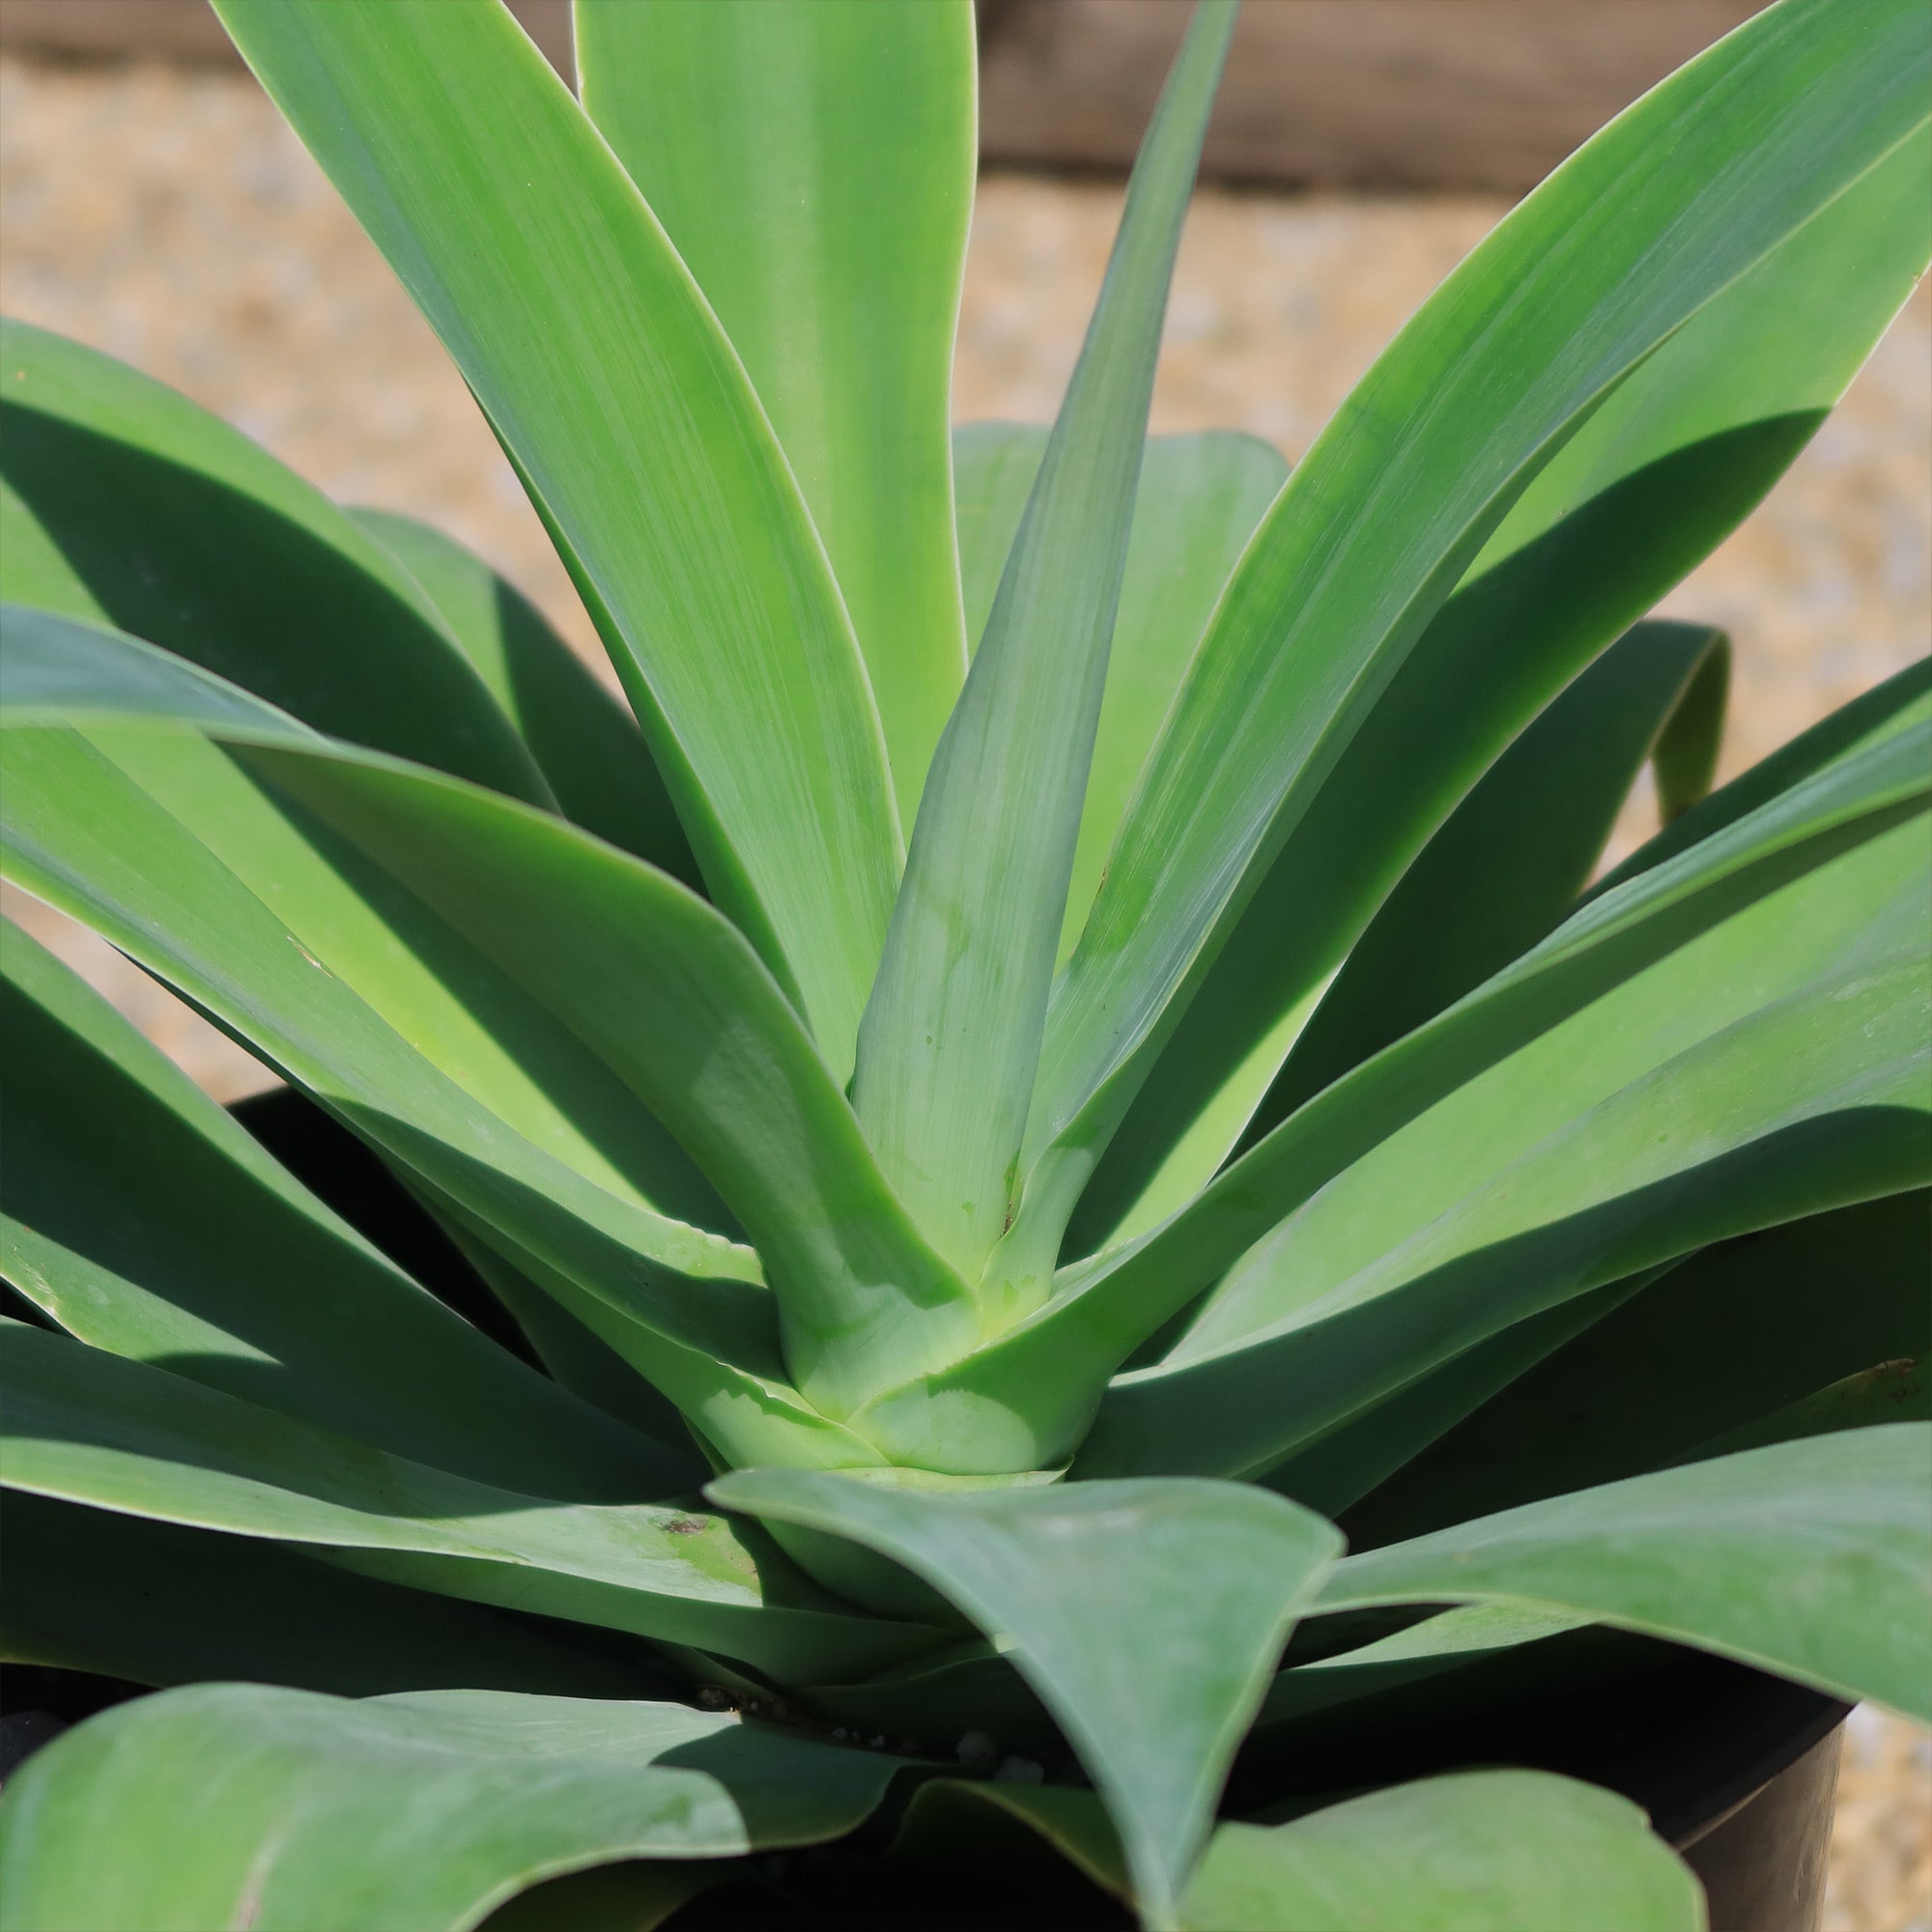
x=1064, y=1044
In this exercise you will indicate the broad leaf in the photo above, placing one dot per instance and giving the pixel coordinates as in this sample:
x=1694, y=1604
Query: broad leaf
x=952, y=1033
x=1811, y=1559
x=87, y=1427
x=1731, y=1336
x=152, y=1603
x=1476, y=1851
x=607, y=377
x=145, y=1221
x=232, y=1805
x=585, y=742
x=1515, y=856
x=1817, y=1100
x=651, y=992
x=1680, y=951
x=124, y=504
x=1725, y=161
x=1207, y=1578
x=814, y=166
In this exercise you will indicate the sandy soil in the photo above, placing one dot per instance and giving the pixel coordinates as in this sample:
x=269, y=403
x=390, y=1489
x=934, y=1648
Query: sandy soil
x=171, y=220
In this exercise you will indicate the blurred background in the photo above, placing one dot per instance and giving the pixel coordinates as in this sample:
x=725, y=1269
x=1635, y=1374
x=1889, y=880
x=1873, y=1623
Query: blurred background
x=153, y=204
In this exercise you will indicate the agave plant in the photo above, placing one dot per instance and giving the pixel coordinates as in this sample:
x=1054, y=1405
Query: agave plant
x=744, y=1331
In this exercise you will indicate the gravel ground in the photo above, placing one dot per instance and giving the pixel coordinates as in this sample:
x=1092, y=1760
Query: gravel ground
x=171, y=220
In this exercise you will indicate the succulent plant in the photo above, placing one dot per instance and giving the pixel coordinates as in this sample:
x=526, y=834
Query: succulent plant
x=836, y=1241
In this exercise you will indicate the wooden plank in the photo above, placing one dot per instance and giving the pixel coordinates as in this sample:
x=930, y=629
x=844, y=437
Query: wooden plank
x=1477, y=94
x=1473, y=93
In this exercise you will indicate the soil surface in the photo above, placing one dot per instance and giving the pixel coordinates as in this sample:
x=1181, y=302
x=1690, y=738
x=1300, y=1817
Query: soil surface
x=171, y=220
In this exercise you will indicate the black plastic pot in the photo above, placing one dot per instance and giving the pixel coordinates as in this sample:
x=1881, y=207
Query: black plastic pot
x=1763, y=1862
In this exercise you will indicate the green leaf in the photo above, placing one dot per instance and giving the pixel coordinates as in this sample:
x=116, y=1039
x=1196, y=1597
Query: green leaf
x=605, y=373
x=814, y=166
x=952, y=1033
x=232, y=1805
x=1678, y=200
x=1515, y=856
x=640, y=990
x=994, y=465
x=124, y=503
x=1207, y=1578
x=1199, y=499
x=1730, y=1337
x=1903, y=701
x=144, y=1220
x=153, y=1602
x=1396, y=1667
x=1477, y=1851
x=1675, y=954
x=585, y=741
x=1474, y=1851
x=87, y=1427
x=635, y=1897
x=1816, y=1100
x=1811, y=1559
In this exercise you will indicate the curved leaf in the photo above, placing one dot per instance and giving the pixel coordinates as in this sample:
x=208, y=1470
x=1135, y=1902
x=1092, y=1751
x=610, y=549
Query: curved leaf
x=124, y=504
x=814, y=166
x=651, y=990
x=1675, y=202
x=605, y=373
x=1816, y=1100
x=1730, y=1337
x=145, y=1221
x=1207, y=1577
x=952, y=1032
x=1512, y=860
x=587, y=745
x=232, y=1804
x=1474, y=1851
x=1811, y=1559
x=1680, y=949
x=87, y=1427
x=152, y=1603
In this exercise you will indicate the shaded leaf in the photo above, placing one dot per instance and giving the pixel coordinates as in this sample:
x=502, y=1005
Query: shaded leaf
x=122, y=503
x=87, y=1427
x=1207, y=1577
x=153, y=1602
x=1728, y=1337
x=1512, y=860
x=144, y=1220
x=585, y=741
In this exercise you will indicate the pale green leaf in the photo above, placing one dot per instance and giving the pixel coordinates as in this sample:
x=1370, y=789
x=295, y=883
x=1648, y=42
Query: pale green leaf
x=236, y=1806
x=814, y=166
x=1673, y=203
x=952, y=1033
x=606, y=374
x=1811, y=1559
